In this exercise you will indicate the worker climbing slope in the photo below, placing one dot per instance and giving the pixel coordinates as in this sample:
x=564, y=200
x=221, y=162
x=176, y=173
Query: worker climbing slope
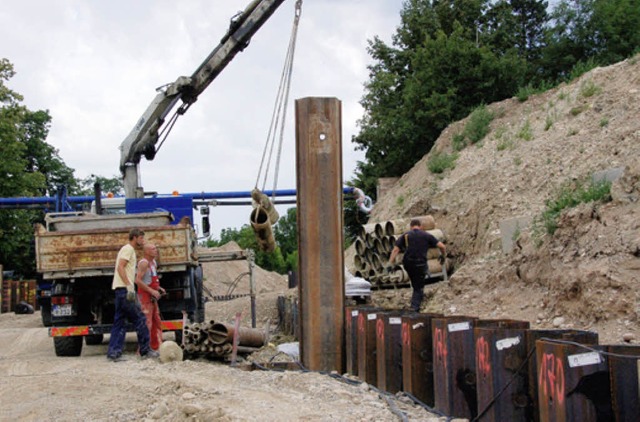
x=415, y=244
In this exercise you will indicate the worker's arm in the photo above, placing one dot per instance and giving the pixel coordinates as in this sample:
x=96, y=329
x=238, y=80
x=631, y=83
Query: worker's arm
x=143, y=266
x=443, y=252
x=394, y=253
x=122, y=263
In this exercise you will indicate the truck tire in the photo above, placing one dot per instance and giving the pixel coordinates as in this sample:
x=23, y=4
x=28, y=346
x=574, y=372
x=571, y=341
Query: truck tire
x=94, y=339
x=68, y=346
x=45, y=313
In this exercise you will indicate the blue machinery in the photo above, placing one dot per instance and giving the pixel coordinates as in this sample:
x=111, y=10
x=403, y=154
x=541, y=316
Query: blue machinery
x=63, y=203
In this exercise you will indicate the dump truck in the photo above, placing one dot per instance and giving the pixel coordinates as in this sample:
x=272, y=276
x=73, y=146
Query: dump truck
x=76, y=252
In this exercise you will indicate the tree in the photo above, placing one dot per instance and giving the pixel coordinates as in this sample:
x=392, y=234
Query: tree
x=29, y=167
x=246, y=239
x=435, y=72
x=113, y=185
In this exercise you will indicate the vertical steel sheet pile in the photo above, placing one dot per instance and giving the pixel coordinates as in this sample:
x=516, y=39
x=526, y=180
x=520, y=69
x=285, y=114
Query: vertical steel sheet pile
x=502, y=382
x=374, y=245
x=531, y=336
x=494, y=370
x=367, y=364
x=454, y=366
x=417, y=356
x=625, y=395
x=320, y=232
x=573, y=383
x=352, y=314
x=389, y=350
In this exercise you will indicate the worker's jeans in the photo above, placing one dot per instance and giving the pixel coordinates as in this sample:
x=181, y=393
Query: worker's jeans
x=151, y=310
x=417, y=270
x=131, y=311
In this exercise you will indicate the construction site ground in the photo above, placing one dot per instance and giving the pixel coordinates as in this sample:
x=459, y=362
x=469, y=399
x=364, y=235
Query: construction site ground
x=585, y=276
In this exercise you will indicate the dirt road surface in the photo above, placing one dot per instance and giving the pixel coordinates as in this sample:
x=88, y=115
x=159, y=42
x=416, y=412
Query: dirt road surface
x=35, y=385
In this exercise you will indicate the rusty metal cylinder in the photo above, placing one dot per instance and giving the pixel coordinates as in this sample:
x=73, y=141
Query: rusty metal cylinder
x=261, y=226
x=222, y=333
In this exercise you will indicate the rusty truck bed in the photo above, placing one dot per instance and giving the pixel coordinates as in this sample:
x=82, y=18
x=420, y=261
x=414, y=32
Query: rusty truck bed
x=93, y=252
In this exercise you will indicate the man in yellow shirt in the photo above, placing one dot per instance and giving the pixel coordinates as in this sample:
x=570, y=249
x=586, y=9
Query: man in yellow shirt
x=127, y=307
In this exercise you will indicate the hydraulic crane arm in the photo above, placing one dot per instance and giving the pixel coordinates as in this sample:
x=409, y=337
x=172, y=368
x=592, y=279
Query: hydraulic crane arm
x=146, y=133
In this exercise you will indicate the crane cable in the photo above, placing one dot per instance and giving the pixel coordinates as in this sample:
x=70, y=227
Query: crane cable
x=280, y=108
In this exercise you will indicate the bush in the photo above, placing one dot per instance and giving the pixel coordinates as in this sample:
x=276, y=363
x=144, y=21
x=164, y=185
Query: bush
x=439, y=162
x=569, y=197
x=478, y=125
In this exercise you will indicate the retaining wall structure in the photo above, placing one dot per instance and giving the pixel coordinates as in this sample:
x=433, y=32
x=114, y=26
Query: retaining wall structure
x=493, y=370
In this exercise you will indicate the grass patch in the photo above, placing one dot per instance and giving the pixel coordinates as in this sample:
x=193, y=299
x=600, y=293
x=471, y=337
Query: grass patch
x=571, y=196
x=439, y=162
x=458, y=142
x=478, y=125
x=581, y=68
x=525, y=131
x=400, y=201
x=579, y=109
x=524, y=92
x=548, y=123
x=562, y=95
x=517, y=161
x=589, y=89
x=572, y=132
x=604, y=122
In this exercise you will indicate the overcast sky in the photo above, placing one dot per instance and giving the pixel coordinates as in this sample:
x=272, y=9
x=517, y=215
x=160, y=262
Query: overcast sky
x=95, y=66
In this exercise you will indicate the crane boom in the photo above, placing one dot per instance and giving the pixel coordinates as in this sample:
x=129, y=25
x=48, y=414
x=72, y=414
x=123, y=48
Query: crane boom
x=142, y=139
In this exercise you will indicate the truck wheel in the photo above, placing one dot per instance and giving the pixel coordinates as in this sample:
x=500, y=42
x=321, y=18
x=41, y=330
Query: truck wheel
x=94, y=339
x=68, y=346
x=45, y=313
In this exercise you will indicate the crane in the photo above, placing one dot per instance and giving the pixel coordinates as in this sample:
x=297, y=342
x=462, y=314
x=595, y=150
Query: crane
x=152, y=125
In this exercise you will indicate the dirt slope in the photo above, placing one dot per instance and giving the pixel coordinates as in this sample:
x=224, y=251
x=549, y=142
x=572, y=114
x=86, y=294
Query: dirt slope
x=586, y=275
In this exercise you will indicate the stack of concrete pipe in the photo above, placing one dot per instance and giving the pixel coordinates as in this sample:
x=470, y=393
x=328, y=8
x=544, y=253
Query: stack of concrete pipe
x=375, y=243
x=215, y=339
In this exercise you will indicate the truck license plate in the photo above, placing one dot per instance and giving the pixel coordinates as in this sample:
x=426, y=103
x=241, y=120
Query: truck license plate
x=62, y=310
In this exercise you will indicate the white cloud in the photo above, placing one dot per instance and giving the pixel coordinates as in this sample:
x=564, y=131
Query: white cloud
x=95, y=66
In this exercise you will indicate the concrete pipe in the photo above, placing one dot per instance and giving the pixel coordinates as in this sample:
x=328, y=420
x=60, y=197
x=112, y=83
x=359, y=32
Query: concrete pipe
x=376, y=262
x=368, y=240
x=360, y=246
x=438, y=234
x=379, y=230
x=263, y=201
x=377, y=246
x=399, y=275
x=262, y=228
x=366, y=228
x=396, y=227
x=434, y=266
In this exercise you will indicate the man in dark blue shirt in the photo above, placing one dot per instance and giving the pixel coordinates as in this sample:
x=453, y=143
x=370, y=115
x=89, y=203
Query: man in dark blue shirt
x=415, y=243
